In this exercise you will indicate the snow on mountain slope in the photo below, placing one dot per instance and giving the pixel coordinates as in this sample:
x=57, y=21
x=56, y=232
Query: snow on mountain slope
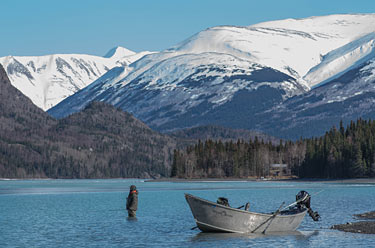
x=292, y=46
x=48, y=79
x=170, y=89
x=342, y=59
x=229, y=75
x=349, y=97
x=354, y=82
x=79, y=100
x=118, y=52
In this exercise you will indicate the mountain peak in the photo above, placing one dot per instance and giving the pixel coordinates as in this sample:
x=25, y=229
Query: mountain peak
x=118, y=52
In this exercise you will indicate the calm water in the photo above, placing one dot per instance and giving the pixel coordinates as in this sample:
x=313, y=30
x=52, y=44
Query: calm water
x=91, y=213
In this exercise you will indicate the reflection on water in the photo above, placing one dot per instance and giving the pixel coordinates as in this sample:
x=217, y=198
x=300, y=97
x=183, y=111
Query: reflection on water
x=131, y=219
x=276, y=239
x=202, y=237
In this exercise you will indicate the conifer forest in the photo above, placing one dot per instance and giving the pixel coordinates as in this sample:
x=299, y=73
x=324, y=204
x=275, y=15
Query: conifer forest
x=340, y=153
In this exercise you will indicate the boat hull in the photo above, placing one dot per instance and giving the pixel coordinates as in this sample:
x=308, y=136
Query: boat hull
x=213, y=217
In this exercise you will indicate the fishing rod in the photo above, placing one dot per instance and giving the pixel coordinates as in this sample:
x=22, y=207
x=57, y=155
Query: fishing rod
x=273, y=216
x=304, y=198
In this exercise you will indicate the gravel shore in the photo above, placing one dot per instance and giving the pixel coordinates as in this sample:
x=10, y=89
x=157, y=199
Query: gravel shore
x=368, y=215
x=367, y=227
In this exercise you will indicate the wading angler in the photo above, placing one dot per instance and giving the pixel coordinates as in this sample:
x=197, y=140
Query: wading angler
x=132, y=201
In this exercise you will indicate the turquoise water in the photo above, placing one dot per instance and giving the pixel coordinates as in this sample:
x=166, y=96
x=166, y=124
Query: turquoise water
x=91, y=213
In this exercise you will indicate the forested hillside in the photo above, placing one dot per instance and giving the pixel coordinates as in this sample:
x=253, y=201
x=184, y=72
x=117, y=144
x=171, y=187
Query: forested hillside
x=220, y=133
x=343, y=153
x=99, y=142
x=104, y=142
x=234, y=159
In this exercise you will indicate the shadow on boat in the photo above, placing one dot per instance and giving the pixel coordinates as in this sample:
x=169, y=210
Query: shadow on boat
x=298, y=235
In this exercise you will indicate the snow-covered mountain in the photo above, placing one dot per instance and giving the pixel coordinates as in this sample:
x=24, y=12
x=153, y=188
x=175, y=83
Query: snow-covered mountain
x=231, y=75
x=119, y=52
x=48, y=79
x=346, y=98
x=178, y=87
x=292, y=46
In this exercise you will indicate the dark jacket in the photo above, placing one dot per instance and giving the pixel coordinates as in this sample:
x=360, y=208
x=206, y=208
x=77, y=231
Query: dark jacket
x=132, y=200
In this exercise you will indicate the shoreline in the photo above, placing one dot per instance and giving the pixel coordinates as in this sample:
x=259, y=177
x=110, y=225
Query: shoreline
x=312, y=180
x=185, y=180
x=365, y=226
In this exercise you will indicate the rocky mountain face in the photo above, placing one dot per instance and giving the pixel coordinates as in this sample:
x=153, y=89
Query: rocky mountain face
x=200, y=96
x=349, y=97
x=48, y=79
x=255, y=77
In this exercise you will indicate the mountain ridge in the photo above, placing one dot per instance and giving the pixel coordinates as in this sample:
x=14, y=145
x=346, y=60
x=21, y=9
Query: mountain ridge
x=48, y=79
x=98, y=142
x=234, y=76
x=346, y=98
x=119, y=52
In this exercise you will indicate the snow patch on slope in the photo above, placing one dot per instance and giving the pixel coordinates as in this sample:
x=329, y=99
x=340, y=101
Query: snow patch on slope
x=292, y=46
x=340, y=60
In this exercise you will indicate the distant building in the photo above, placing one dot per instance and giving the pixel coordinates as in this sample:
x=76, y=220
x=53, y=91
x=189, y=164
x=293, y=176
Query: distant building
x=277, y=170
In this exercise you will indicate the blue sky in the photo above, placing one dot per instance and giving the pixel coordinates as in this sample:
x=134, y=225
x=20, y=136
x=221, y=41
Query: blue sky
x=39, y=27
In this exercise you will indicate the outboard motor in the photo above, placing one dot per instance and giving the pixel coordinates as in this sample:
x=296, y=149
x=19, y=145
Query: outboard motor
x=303, y=201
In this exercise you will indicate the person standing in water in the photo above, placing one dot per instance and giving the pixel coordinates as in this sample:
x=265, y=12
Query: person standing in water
x=132, y=201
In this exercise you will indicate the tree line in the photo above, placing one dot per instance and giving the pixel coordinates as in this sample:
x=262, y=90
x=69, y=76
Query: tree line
x=340, y=153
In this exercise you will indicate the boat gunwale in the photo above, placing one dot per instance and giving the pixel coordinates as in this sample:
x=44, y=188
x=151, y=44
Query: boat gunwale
x=243, y=211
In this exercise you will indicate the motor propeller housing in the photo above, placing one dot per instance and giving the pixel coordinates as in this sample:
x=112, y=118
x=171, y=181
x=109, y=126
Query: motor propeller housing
x=303, y=200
